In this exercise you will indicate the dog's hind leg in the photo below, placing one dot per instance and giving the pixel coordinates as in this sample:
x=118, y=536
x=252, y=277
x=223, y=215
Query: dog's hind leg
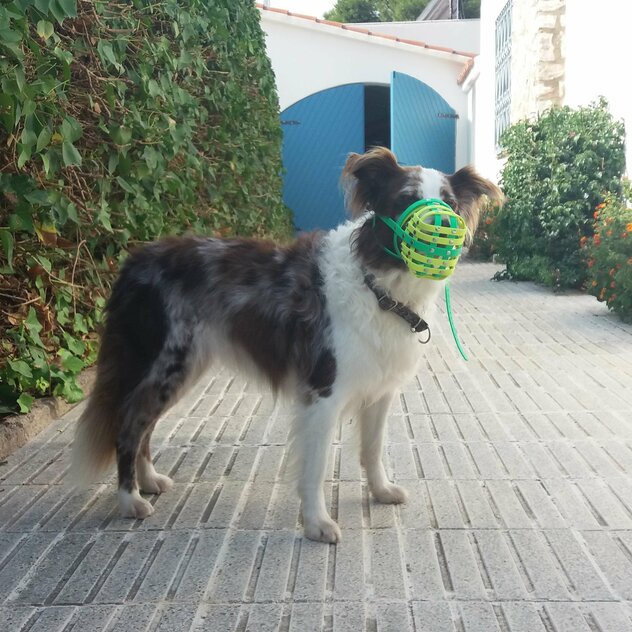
x=150, y=481
x=142, y=412
x=372, y=430
x=309, y=447
x=145, y=405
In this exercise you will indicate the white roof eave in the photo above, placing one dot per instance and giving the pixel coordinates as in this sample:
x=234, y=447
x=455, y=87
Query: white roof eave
x=374, y=39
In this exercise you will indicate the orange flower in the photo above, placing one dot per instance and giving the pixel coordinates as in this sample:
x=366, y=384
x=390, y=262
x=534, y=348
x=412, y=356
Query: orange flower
x=628, y=226
x=582, y=241
x=488, y=221
x=596, y=214
x=597, y=240
x=594, y=284
x=602, y=205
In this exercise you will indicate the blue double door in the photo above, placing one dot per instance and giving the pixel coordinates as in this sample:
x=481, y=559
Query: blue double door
x=320, y=131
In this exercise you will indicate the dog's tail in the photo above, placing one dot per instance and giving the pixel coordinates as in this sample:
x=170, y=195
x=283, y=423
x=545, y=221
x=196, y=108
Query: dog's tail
x=94, y=445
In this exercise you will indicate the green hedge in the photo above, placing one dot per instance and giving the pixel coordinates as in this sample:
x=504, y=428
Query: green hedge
x=559, y=167
x=119, y=123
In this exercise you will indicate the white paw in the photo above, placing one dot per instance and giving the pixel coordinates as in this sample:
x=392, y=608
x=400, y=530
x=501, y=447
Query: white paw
x=149, y=480
x=155, y=484
x=391, y=494
x=323, y=530
x=133, y=505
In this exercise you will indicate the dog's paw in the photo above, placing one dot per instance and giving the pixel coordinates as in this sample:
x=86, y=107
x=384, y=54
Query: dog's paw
x=391, y=494
x=155, y=483
x=323, y=530
x=133, y=505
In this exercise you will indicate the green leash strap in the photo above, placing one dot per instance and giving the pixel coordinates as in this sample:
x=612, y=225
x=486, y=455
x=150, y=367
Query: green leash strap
x=448, y=305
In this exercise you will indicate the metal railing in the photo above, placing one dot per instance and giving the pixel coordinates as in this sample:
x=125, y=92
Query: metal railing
x=503, y=71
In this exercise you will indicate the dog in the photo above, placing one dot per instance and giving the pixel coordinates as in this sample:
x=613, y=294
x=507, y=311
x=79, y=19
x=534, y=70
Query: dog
x=305, y=318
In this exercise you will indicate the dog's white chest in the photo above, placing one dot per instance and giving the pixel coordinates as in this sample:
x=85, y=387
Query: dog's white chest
x=376, y=352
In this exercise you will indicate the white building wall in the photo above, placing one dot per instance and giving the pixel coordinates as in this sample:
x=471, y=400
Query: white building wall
x=308, y=57
x=598, y=58
x=461, y=35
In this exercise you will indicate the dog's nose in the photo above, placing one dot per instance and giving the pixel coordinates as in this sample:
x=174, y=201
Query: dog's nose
x=445, y=222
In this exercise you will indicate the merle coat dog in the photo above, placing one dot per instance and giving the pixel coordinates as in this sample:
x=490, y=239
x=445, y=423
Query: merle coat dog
x=300, y=317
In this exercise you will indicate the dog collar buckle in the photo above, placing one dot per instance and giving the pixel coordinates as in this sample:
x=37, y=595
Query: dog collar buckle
x=388, y=304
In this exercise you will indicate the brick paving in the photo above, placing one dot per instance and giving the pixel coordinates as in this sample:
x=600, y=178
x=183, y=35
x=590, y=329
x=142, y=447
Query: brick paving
x=518, y=464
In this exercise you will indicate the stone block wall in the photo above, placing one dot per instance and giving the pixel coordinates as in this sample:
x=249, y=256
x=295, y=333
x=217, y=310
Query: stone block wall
x=537, y=57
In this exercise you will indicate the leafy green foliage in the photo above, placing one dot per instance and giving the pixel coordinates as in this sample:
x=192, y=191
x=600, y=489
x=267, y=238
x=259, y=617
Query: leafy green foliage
x=609, y=255
x=558, y=169
x=119, y=122
x=401, y=10
x=354, y=11
x=471, y=9
x=482, y=247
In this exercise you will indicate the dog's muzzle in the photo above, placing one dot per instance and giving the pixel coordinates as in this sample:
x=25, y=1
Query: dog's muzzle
x=428, y=237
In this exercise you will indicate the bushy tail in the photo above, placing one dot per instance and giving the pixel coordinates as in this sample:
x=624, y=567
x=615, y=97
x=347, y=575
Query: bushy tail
x=94, y=447
x=121, y=367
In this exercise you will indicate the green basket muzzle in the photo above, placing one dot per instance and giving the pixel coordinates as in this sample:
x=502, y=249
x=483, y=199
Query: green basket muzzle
x=428, y=237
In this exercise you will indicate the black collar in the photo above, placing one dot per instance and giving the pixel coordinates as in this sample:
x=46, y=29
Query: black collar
x=388, y=304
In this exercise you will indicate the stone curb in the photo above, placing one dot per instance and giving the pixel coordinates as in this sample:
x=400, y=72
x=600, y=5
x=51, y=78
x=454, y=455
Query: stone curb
x=17, y=430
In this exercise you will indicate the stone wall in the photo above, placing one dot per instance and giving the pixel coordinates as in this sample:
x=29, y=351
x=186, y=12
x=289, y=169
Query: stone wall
x=537, y=56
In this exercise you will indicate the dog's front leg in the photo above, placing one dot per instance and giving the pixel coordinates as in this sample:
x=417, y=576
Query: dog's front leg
x=311, y=441
x=372, y=430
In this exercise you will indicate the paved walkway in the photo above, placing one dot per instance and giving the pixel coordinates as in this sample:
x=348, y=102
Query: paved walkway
x=518, y=464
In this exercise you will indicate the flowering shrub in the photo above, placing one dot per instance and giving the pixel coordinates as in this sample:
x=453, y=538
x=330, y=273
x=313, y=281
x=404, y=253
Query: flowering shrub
x=609, y=256
x=558, y=169
x=482, y=247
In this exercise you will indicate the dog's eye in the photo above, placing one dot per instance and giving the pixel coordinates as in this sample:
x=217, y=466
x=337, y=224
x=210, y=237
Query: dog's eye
x=405, y=201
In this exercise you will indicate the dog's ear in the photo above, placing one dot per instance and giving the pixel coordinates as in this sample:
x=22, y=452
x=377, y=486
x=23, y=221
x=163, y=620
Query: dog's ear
x=471, y=191
x=368, y=178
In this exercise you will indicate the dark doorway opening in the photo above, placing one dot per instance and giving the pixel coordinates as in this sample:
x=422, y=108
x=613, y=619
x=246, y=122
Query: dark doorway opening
x=377, y=117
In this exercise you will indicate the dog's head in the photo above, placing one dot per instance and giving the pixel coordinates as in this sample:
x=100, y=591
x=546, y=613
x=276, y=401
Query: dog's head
x=374, y=181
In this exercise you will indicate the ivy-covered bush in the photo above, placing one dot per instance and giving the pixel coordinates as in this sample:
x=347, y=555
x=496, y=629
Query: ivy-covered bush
x=609, y=255
x=559, y=167
x=119, y=122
